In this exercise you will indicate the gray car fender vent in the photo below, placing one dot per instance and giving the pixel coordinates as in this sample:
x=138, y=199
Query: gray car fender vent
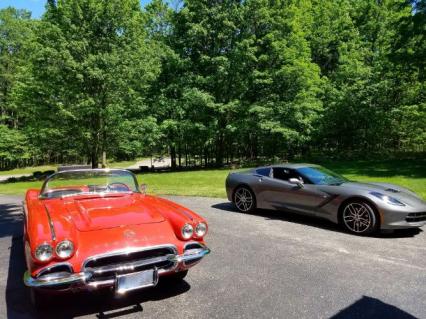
x=392, y=190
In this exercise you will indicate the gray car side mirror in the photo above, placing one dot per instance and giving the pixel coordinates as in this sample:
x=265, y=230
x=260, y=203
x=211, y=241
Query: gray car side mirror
x=296, y=181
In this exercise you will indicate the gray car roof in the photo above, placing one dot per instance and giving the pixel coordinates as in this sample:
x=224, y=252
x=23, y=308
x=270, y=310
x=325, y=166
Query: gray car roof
x=290, y=165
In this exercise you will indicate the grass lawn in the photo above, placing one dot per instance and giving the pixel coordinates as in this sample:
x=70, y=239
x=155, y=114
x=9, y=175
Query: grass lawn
x=28, y=170
x=211, y=183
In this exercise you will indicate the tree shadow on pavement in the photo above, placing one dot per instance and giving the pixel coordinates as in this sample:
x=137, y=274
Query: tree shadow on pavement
x=371, y=308
x=311, y=221
x=10, y=219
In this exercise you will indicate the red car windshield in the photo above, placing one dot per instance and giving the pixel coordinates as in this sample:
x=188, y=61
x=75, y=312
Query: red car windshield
x=87, y=182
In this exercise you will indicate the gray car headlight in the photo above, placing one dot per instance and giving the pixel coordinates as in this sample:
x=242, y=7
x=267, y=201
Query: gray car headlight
x=44, y=252
x=187, y=231
x=387, y=199
x=201, y=229
x=64, y=249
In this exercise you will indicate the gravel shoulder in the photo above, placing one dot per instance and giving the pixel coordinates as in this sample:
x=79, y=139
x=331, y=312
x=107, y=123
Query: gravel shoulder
x=265, y=265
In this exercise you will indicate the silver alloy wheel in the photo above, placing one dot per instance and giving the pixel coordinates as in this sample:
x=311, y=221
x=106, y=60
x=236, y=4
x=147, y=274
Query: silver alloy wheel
x=358, y=217
x=243, y=199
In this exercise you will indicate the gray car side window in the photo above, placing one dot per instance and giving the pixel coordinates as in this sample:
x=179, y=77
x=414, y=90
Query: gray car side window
x=264, y=171
x=280, y=173
x=285, y=174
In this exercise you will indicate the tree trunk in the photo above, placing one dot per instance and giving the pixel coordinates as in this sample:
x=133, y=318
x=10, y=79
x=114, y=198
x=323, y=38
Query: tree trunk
x=94, y=154
x=173, y=156
x=104, y=161
x=180, y=156
x=219, y=150
x=95, y=160
x=186, y=155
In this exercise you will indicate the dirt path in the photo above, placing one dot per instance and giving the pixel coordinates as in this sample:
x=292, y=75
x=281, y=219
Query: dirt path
x=155, y=161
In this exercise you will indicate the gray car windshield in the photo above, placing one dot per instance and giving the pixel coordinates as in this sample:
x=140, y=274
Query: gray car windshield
x=321, y=176
x=89, y=182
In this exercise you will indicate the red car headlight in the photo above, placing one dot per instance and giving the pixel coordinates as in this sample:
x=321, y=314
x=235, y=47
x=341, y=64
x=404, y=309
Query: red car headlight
x=64, y=249
x=187, y=231
x=43, y=252
x=201, y=229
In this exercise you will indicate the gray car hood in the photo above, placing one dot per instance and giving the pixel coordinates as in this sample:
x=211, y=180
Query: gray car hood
x=403, y=194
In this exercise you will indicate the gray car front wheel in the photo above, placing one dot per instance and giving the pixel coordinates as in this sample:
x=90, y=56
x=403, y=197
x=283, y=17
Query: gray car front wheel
x=359, y=217
x=244, y=199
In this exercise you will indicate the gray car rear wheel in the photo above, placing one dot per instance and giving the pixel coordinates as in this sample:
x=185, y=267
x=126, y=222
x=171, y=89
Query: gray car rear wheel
x=359, y=217
x=244, y=199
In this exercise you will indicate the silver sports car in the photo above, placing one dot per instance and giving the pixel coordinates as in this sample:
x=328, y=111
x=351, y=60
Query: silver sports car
x=362, y=208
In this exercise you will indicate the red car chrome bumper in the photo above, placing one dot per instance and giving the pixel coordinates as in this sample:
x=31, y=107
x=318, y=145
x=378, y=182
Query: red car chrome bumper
x=60, y=280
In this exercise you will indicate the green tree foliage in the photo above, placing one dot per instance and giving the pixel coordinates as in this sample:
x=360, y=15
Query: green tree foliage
x=210, y=81
x=368, y=96
x=15, y=34
x=15, y=39
x=284, y=89
x=409, y=42
x=91, y=67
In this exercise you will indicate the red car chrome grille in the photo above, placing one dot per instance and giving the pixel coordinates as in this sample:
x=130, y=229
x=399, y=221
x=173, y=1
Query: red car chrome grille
x=107, y=266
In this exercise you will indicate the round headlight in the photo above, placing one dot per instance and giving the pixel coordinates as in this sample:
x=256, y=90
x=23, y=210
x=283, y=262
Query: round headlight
x=201, y=229
x=44, y=252
x=64, y=249
x=187, y=231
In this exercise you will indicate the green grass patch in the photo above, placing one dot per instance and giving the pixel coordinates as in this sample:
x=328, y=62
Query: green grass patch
x=211, y=183
x=28, y=170
x=409, y=173
x=18, y=188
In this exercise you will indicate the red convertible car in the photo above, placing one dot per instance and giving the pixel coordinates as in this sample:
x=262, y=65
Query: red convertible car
x=88, y=229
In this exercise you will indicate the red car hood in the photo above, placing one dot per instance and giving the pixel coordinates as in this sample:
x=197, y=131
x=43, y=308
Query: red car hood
x=96, y=213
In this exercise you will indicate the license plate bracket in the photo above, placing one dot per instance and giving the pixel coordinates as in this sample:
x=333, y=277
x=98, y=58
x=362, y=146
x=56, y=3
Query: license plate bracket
x=136, y=280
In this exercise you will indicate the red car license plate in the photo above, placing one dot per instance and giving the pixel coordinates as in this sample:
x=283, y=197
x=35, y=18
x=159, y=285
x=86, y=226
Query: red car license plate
x=136, y=280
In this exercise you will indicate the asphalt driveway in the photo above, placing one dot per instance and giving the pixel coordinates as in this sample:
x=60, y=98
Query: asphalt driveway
x=265, y=265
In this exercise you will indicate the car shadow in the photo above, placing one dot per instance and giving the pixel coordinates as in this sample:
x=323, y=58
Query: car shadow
x=371, y=308
x=312, y=221
x=104, y=304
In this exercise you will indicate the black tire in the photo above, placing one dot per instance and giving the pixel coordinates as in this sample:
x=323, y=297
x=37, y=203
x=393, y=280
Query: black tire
x=244, y=199
x=360, y=217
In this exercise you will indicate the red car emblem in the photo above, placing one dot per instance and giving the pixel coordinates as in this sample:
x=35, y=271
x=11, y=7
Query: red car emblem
x=129, y=233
